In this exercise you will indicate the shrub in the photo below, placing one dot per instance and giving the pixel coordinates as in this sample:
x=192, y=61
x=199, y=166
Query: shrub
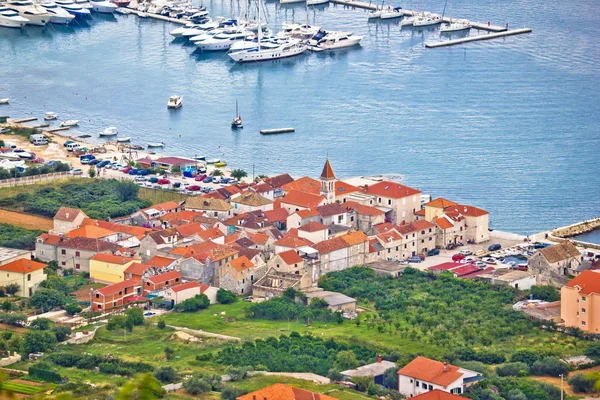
x=552, y=366
x=47, y=299
x=198, y=302
x=231, y=392
x=204, y=357
x=335, y=375
x=161, y=324
x=526, y=356
x=362, y=382
x=169, y=353
x=38, y=341
x=237, y=373
x=136, y=315
x=581, y=383
x=545, y=293
x=195, y=385
x=61, y=333
x=44, y=374
x=165, y=374
x=593, y=350
x=225, y=296
x=513, y=369
x=41, y=324
x=14, y=319
x=72, y=309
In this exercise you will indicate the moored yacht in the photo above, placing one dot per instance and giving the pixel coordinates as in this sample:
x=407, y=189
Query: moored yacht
x=199, y=29
x=11, y=19
x=103, y=6
x=316, y=2
x=36, y=15
x=333, y=40
x=69, y=123
x=392, y=13
x=289, y=48
x=121, y=3
x=110, y=131
x=427, y=20
x=455, y=26
x=222, y=41
x=175, y=102
x=299, y=31
x=71, y=7
x=59, y=14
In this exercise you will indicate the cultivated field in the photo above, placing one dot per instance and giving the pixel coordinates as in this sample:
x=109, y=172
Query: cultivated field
x=26, y=221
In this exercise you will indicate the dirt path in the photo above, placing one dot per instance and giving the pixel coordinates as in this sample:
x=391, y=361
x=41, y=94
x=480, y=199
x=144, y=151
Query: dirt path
x=556, y=381
x=25, y=220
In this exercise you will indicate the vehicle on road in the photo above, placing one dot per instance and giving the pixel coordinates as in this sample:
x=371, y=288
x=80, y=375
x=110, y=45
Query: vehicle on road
x=414, y=259
x=433, y=252
x=163, y=181
x=76, y=171
x=208, y=179
x=153, y=180
x=457, y=257
x=466, y=252
x=495, y=247
x=200, y=178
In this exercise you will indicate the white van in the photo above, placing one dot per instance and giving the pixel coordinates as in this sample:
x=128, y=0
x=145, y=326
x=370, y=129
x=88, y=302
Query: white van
x=73, y=146
x=38, y=139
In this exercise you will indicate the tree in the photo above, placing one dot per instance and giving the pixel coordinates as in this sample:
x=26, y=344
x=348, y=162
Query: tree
x=335, y=375
x=581, y=383
x=545, y=293
x=225, y=296
x=195, y=385
x=390, y=378
x=161, y=324
x=198, y=302
x=61, y=167
x=238, y=174
x=165, y=374
x=362, y=382
x=47, y=299
x=175, y=169
x=516, y=394
x=12, y=289
x=92, y=172
x=217, y=172
x=61, y=333
x=346, y=360
x=72, y=309
x=231, y=392
x=126, y=190
x=136, y=315
x=237, y=373
x=169, y=353
x=57, y=283
x=144, y=387
x=41, y=324
x=38, y=341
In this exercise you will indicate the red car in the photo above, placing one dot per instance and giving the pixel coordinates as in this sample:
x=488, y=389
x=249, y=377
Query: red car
x=163, y=182
x=126, y=170
x=194, y=188
x=200, y=178
x=457, y=257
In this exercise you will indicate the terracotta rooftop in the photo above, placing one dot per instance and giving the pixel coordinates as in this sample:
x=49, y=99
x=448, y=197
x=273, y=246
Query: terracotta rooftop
x=368, y=210
x=588, y=282
x=167, y=276
x=259, y=238
x=251, y=199
x=328, y=246
x=307, y=213
x=163, y=207
x=302, y=199
x=68, y=214
x=305, y=185
x=293, y=242
x=22, y=266
x=129, y=229
x=82, y=243
x=469, y=211
x=355, y=237
x=241, y=263
x=437, y=394
x=189, y=285
x=391, y=189
x=342, y=188
x=440, y=202
x=112, y=259
x=90, y=231
x=312, y=226
x=276, y=215
x=50, y=239
x=431, y=371
x=159, y=261
x=211, y=233
x=117, y=287
x=195, y=249
x=329, y=210
x=443, y=222
x=420, y=213
x=290, y=257
x=191, y=229
x=137, y=269
x=327, y=172
x=280, y=391
x=183, y=215
x=279, y=180
x=246, y=252
x=560, y=252
x=207, y=204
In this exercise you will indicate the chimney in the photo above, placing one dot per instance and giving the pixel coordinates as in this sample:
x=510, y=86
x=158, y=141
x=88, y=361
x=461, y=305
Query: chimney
x=379, y=358
x=445, y=366
x=67, y=215
x=253, y=397
x=243, y=264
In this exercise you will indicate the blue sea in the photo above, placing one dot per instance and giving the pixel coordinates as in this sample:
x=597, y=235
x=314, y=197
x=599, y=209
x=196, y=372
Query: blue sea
x=510, y=125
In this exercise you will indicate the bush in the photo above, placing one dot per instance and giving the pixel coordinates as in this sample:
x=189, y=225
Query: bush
x=237, y=373
x=231, y=392
x=526, y=356
x=169, y=353
x=195, y=385
x=14, y=319
x=513, y=369
x=165, y=374
x=545, y=293
x=552, y=366
x=12, y=288
x=41, y=324
x=72, y=309
x=204, y=357
x=225, y=296
x=581, y=383
x=47, y=299
x=44, y=374
x=593, y=350
x=335, y=375
x=136, y=315
x=198, y=302
x=38, y=341
x=161, y=324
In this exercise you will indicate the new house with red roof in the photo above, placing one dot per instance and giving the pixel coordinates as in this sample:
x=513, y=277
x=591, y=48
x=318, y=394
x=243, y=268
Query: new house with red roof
x=475, y=225
x=287, y=262
x=159, y=282
x=280, y=391
x=399, y=202
x=437, y=394
x=109, y=268
x=342, y=252
x=24, y=272
x=296, y=200
x=115, y=296
x=239, y=274
x=423, y=375
x=580, y=302
x=179, y=293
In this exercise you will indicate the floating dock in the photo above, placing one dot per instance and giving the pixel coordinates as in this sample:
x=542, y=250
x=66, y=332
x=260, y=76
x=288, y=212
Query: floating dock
x=133, y=8
x=64, y=128
x=274, y=131
x=477, y=38
x=40, y=126
x=20, y=121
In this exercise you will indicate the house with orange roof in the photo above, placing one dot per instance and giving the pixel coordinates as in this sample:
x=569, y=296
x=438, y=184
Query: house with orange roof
x=239, y=274
x=314, y=231
x=179, y=293
x=249, y=202
x=264, y=189
x=75, y=253
x=291, y=242
x=157, y=283
x=342, y=252
x=151, y=216
x=92, y=232
x=113, y=297
x=423, y=375
x=109, y=268
x=418, y=237
x=137, y=271
x=128, y=231
x=393, y=244
x=302, y=217
x=580, y=302
x=343, y=191
x=450, y=229
x=476, y=219
x=26, y=273
x=333, y=214
x=159, y=262
x=46, y=247
x=181, y=217
x=262, y=241
x=280, y=391
x=277, y=217
x=277, y=182
x=295, y=200
x=365, y=217
x=287, y=262
x=398, y=201
x=305, y=185
x=190, y=230
x=437, y=394
x=202, y=261
x=66, y=219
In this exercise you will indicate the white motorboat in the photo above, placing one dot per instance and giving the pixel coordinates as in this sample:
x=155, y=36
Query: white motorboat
x=50, y=116
x=83, y=4
x=75, y=9
x=290, y=48
x=392, y=13
x=142, y=14
x=251, y=42
x=222, y=41
x=124, y=140
x=11, y=19
x=4, y=101
x=37, y=15
x=213, y=160
x=299, y=31
x=103, y=6
x=375, y=14
x=156, y=144
x=122, y=11
x=333, y=40
x=200, y=29
x=59, y=14
x=291, y=1
x=316, y=2
x=206, y=35
x=69, y=123
x=110, y=131
x=175, y=102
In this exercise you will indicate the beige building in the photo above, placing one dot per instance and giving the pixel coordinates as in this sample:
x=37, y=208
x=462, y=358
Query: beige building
x=398, y=201
x=580, y=302
x=314, y=231
x=287, y=262
x=179, y=293
x=552, y=264
x=215, y=208
x=8, y=255
x=239, y=274
x=67, y=219
x=476, y=220
x=26, y=273
x=76, y=253
x=109, y=268
x=250, y=201
x=302, y=217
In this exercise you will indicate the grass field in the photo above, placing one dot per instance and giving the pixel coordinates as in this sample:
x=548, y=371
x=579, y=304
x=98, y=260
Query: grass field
x=24, y=388
x=15, y=190
x=160, y=196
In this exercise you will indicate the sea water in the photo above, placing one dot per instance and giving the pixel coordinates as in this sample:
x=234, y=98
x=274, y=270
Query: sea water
x=510, y=125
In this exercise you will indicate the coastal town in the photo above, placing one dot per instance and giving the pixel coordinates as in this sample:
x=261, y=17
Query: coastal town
x=287, y=260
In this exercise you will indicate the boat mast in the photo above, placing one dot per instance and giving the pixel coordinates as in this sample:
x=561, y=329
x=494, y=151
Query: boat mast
x=237, y=113
x=259, y=27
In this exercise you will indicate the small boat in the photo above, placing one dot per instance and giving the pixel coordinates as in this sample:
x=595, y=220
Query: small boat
x=324, y=40
x=124, y=140
x=103, y=6
x=220, y=164
x=407, y=21
x=85, y=136
x=316, y=2
x=156, y=144
x=375, y=13
x=4, y=101
x=425, y=20
x=395, y=12
x=122, y=11
x=455, y=25
x=121, y=3
x=237, y=120
x=110, y=131
x=175, y=102
x=213, y=160
x=69, y=123
x=50, y=116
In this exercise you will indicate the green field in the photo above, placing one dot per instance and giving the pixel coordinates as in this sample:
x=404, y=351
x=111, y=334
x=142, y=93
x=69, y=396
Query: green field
x=161, y=196
x=23, y=388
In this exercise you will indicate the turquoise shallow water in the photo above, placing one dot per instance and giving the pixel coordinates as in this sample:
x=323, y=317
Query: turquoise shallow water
x=510, y=125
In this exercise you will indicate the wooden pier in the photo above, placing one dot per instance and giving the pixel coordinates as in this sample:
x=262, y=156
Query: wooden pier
x=40, y=126
x=20, y=121
x=64, y=128
x=477, y=38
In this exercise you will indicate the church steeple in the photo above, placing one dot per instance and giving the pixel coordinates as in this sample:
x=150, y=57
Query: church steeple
x=328, y=183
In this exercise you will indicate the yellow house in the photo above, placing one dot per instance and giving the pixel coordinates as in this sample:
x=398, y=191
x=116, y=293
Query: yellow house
x=25, y=273
x=108, y=268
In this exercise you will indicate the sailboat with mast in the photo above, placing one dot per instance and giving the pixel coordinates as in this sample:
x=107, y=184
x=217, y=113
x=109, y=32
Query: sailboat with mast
x=377, y=12
x=426, y=19
x=408, y=21
x=237, y=120
x=455, y=26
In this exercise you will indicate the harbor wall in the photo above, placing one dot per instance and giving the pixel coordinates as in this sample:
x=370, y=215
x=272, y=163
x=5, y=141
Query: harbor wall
x=570, y=231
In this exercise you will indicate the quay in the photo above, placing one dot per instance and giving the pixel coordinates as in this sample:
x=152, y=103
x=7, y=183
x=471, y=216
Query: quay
x=63, y=128
x=489, y=36
x=133, y=8
x=20, y=121
x=40, y=126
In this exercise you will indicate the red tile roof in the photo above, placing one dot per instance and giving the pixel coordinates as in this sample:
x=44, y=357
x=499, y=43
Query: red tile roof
x=329, y=210
x=165, y=207
x=167, y=276
x=420, y=213
x=276, y=215
x=431, y=371
x=355, y=238
x=307, y=213
x=445, y=266
x=188, y=285
x=81, y=243
x=304, y=185
x=328, y=246
x=67, y=214
x=327, y=172
x=110, y=258
x=259, y=238
x=279, y=180
x=464, y=270
x=443, y=223
x=89, y=231
x=189, y=229
x=290, y=257
x=137, y=269
x=22, y=266
x=469, y=211
x=588, y=282
x=440, y=202
x=251, y=199
x=367, y=210
x=129, y=229
x=391, y=189
x=117, y=287
x=50, y=239
x=211, y=233
x=437, y=394
x=293, y=242
x=312, y=226
x=342, y=188
x=280, y=391
x=241, y=263
x=159, y=261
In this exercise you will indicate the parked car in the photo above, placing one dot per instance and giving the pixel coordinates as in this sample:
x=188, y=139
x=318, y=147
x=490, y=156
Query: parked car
x=177, y=185
x=140, y=179
x=200, y=178
x=95, y=161
x=153, y=180
x=495, y=247
x=414, y=259
x=76, y=171
x=433, y=252
x=479, y=264
x=208, y=179
x=65, y=144
x=142, y=172
x=457, y=257
x=163, y=181
x=103, y=164
x=466, y=252
x=4, y=130
x=194, y=188
x=132, y=171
